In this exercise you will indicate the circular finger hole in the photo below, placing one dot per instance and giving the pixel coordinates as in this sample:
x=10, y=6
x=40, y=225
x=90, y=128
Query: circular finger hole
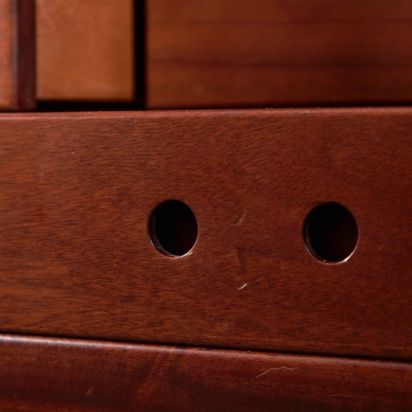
x=331, y=232
x=173, y=228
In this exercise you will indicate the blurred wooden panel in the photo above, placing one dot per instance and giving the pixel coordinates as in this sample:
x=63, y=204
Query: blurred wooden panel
x=67, y=375
x=17, y=55
x=77, y=190
x=85, y=50
x=278, y=53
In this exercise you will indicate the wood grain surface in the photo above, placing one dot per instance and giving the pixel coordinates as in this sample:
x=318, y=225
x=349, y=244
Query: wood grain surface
x=68, y=375
x=17, y=55
x=77, y=190
x=260, y=53
x=85, y=50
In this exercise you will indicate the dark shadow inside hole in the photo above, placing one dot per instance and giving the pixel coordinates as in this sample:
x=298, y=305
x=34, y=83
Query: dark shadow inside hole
x=331, y=232
x=173, y=228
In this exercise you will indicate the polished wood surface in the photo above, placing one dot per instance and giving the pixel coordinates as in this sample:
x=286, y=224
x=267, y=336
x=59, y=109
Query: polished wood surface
x=85, y=50
x=77, y=191
x=17, y=55
x=263, y=53
x=40, y=374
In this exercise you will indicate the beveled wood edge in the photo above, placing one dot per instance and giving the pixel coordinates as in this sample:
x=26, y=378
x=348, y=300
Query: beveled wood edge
x=212, y=113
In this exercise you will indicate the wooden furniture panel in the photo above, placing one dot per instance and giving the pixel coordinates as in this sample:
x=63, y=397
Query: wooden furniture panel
x=77, y=190
x=17, y=55
x=260, y=53
x=85, y=50
x=67, y=375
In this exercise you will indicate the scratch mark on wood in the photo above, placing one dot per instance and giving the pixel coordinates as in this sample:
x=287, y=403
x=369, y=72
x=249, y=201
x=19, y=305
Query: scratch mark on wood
x=241, y=218
x=275, y=369
x=89, y=392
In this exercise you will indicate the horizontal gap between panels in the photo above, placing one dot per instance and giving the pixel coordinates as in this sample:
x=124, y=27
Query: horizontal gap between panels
x=9, y=337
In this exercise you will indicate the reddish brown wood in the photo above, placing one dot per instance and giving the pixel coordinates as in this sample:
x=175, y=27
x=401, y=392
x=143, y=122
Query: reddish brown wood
x=67, y=375
x=17, y=55
x=77, y=190
x=278, y=53
x=85, y=50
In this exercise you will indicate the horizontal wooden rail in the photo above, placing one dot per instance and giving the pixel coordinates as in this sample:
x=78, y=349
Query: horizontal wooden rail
x=66, y=375
x=79, y=241
x=266, y=53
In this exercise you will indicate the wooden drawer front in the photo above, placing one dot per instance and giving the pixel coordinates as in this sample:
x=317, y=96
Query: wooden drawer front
x=68, y=375
x=76, y=260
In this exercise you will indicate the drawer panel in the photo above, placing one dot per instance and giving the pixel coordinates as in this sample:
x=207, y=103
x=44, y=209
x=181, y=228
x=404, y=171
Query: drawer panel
x=302, y=241
x=69, y=375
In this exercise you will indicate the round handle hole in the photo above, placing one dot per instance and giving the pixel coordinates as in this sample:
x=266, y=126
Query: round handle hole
x=331, y=233
x=173, y=228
